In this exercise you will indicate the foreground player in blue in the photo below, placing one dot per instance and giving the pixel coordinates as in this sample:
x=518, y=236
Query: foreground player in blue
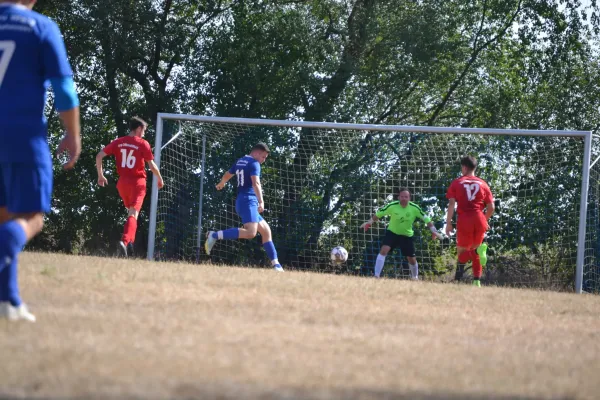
x=249, y=204
x=32, y=55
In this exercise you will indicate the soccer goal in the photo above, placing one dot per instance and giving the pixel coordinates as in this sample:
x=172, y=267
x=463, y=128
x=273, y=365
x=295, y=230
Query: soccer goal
x=323, y=180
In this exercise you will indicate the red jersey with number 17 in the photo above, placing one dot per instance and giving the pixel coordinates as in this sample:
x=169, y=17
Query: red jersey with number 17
x=131, y=152
x=471, y=194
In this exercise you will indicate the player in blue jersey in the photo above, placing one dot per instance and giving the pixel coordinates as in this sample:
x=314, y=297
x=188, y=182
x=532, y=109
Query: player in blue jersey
x=249, y=204
x=32, y=56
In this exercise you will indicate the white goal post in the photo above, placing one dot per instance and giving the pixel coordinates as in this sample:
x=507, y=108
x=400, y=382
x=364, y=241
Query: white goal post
x=192, y=145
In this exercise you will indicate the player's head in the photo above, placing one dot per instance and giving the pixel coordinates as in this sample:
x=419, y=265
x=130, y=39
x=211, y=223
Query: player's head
x=137, y=127
x=27, y=3
x=468, y=164
x=404, y=196
x=260, y=152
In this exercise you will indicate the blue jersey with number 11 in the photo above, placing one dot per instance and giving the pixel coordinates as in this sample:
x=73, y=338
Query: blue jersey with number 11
x=244, y=169
x=31, y=52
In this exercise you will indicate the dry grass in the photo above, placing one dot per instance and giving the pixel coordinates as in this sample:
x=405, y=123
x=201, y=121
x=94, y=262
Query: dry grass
x=111, y=328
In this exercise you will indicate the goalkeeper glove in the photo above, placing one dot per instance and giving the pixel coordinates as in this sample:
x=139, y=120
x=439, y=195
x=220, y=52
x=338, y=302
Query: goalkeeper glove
x=367, y=224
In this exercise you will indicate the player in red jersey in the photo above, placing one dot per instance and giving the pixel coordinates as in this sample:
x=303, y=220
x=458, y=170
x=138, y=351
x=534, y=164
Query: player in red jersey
x=473, y=196
x=130, y=153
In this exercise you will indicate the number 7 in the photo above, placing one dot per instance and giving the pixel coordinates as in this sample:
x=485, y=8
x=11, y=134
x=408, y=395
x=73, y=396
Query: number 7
x=8, y=49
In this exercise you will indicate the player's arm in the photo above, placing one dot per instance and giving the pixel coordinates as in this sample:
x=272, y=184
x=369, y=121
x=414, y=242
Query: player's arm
x=57, y=70
x=258, y=191
x=368, y=223
x=489, y=210
x=101, y=178
x=374, y=218
x=67, y=105
x=434, y=232
x=226, y=177
x=154, y=168
x=490, y=206
x=451, y=205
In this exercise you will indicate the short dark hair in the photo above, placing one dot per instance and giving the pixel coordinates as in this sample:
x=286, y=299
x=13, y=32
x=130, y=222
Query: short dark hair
x=403, y=189
x=261, y=146
x=469, y=161
x=136, y=122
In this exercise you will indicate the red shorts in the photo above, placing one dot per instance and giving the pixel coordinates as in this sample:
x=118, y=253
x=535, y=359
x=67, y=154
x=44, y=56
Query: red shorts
x=470, y=230
x=132, y=193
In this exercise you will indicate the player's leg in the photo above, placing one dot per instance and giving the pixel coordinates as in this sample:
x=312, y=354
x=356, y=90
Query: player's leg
x=460, y=270
x=14, y=234
x=413, y=265
x=380, y=262
x=407, y=247
x=249, y=231
x=476, y=267
x=389, y=242
x=25, y=197
x=247, y=209
x=124, y=192
x=479, y=228
x=267, y=240
x=130, y=229
x=136, y=200
x=482, y=253
x=464, y=236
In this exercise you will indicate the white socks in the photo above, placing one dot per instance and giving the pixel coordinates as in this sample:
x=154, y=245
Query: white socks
x=379, y=265
x=414, y=270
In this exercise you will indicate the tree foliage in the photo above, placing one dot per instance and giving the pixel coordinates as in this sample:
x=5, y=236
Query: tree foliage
x=483, y=63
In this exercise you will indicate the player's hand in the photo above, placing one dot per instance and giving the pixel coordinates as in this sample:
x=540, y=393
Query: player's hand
x=449, y=229
x=366, y=226
x=160, y=183
x=72, y=145
x=261, y=208
x=220, y=186
x=102, y=181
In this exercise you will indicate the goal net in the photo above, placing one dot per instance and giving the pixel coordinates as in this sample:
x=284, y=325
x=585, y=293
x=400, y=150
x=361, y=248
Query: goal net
x=321, y=181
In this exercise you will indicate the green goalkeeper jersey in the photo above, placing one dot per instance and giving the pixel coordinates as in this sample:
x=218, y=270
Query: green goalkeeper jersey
x=402, y=218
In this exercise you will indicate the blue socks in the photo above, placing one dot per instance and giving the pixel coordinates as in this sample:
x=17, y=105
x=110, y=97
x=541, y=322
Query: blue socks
x=227, y=234
x=271, y=253
x=12, y=241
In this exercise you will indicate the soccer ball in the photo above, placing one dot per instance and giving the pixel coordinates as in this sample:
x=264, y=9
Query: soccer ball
x=339, y=255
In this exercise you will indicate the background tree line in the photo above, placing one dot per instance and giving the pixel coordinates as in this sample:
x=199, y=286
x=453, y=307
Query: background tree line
x=486, y=63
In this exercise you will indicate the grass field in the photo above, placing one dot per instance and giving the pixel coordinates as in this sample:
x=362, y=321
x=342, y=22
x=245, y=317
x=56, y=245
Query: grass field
x=111, y=328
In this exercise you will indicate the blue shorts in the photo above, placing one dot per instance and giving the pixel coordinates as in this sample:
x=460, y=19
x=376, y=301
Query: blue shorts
x=25, y=187
x=247, y=209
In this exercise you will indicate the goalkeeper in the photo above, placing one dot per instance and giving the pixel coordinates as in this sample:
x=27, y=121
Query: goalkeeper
x=399, y=233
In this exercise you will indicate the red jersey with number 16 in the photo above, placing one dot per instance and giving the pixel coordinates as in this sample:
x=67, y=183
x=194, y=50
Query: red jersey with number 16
x=471, y=194
x=131, y=152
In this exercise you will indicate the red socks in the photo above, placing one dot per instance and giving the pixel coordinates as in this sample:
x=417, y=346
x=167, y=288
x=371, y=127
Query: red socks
x=129, y=230
x=476, y=264
x=471, y=255
x=464, y=257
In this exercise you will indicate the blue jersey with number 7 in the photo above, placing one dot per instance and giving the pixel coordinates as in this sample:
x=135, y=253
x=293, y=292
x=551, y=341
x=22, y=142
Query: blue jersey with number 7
x=244, y=169
x=32, y=51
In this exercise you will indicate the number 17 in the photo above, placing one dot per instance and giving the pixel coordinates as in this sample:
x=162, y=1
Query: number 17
x=472, y=190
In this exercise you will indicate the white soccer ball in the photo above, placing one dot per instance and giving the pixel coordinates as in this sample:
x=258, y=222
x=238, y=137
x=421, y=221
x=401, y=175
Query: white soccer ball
x=339, y=255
